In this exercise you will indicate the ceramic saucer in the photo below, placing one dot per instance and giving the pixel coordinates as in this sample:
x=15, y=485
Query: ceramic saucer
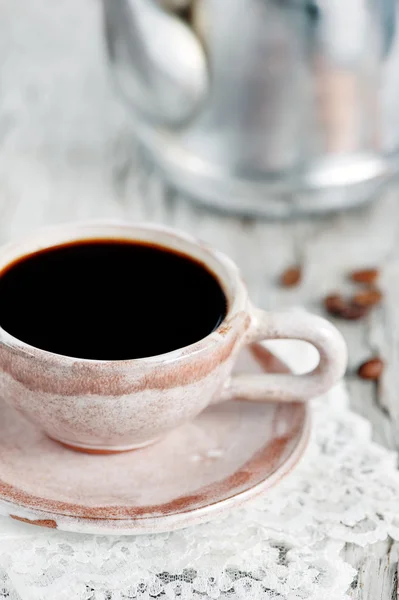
x=230, y=453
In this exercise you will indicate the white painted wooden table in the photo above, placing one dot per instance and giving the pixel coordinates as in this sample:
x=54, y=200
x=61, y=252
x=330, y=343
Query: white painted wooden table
x=67, y=152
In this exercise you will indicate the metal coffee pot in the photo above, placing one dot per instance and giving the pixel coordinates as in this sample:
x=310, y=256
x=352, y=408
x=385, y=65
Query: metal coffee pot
x=262, y=107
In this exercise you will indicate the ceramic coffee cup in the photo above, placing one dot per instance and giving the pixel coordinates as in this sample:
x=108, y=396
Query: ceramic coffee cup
x=111, y=406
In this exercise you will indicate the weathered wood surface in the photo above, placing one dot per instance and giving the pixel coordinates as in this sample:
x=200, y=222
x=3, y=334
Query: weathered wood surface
x=67, y=152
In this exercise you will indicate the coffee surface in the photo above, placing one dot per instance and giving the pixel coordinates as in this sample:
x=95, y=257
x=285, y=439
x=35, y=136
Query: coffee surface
x=109, y=300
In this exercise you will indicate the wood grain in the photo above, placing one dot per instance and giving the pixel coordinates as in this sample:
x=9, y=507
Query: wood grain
x=67, y=152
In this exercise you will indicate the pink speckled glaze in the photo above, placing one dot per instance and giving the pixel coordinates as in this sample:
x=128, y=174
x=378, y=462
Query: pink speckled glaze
x=112, y=406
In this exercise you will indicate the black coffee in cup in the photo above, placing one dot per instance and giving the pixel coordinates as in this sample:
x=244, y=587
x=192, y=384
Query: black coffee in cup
x=109, y=300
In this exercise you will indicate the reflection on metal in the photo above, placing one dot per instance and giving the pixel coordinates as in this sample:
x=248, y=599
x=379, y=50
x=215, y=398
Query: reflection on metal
x=250, y=104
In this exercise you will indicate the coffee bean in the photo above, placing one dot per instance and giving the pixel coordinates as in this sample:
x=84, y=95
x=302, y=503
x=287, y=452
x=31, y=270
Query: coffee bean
x=291, y=277
x=334, y=303
x=369, y=297
x=351, y=312
x=365, y=275
x=371, y=369
x=338, y=307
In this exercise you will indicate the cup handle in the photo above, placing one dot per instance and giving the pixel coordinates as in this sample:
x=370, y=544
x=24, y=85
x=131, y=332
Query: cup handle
x=291, y=388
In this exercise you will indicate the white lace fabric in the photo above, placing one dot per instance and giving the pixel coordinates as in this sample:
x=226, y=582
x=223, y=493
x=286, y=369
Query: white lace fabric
x=285, y=545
